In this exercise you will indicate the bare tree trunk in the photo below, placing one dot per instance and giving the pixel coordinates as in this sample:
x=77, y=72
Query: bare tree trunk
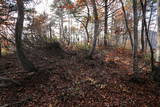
x=0, y=48
x=143, y=5
x=142, y=36
x=27, y=65
x=62, y=32
x=87, y=22
x=147, y=33
x=50, y=31
x=135, y=46
x=96, y=28
x=150, y=17
x=156, y=73
x=126, y=22
x=158, y=33
x=106, y=22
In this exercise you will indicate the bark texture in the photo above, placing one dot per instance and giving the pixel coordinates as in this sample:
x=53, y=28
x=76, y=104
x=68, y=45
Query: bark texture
x=96, y=28
x=135, y=46
x=27, y=65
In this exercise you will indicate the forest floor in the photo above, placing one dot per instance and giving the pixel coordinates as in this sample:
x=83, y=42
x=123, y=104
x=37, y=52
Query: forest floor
x=73, y=81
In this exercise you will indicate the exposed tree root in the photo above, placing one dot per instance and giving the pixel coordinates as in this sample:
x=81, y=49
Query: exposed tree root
x=17, y=103
x=5, y=82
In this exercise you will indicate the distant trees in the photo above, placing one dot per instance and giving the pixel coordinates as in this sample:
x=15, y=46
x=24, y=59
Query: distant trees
x=58, y=10
x=80, y=17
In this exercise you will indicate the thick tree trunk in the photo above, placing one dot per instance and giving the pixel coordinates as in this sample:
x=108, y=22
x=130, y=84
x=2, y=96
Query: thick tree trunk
x=156, y=69
x=27, y=65
x=158, y=33
x=106, y=23
x=135, y=46
x=126, y=22
x=96, y=28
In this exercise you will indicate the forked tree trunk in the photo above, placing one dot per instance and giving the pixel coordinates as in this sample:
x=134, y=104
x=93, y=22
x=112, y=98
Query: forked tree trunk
x=96, y=28
x=147, y=32
x=27, y=65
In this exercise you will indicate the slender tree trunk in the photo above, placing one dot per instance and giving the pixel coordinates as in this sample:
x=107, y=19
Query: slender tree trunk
x=62, y=32
x=135, y=46
x=87, y=22
x=50, y=31
x=144, y=39
x=96, y=28
x=27, y=65
x=150, y=17
x=142, y=36
x=0, y=48
x=106, y=22
x=147, y=34
x=126, y=22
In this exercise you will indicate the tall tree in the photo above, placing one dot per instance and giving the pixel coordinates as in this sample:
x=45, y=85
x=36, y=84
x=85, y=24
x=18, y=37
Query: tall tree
x=158, y=32
x=143, y=25
x=126, y=22
x=156, y=70
x=143, y=5
x=0, y=47
x=106, y=22
x=135, y=46
x=96, y=28
x=58, y=8
x=27, y=65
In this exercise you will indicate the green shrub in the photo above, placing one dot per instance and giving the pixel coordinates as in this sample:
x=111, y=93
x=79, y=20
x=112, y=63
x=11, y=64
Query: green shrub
x=5, y=51
x=83, y=46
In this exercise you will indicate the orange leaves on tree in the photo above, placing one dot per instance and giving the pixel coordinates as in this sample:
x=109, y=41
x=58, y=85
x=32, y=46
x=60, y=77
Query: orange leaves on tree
x=80, y=2
x=69, y=6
